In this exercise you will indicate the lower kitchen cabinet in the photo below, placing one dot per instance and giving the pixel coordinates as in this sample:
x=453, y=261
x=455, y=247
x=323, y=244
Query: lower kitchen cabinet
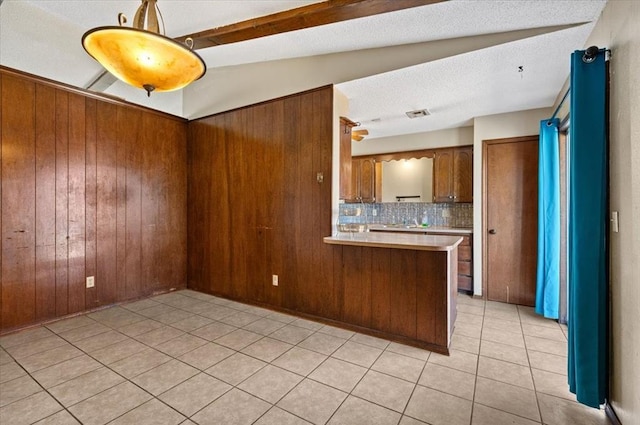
x=465, y=262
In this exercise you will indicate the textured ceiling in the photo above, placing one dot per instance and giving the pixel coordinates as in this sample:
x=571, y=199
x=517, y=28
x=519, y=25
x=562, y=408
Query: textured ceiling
x=42, y=36
x=457, y=89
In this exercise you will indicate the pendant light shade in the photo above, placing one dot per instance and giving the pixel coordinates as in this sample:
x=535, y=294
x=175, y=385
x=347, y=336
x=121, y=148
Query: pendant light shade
x=141, y=56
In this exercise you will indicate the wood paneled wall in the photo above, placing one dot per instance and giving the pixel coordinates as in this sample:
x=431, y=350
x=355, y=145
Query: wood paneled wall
x=90, y=187
x=256, y=209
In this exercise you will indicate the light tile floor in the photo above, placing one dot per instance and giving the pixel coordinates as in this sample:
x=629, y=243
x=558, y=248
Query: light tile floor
x=187, y=357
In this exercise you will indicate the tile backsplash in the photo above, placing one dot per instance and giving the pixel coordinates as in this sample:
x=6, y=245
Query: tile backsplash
x=450, y=215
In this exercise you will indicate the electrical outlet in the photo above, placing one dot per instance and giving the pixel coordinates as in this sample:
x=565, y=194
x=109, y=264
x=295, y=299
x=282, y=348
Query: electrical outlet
x=91, y=281
x=374, y=212
x=445, y=213
x=274, y=280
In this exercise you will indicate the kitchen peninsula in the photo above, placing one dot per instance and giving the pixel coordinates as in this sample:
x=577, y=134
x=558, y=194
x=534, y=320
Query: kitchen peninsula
x=403, y=286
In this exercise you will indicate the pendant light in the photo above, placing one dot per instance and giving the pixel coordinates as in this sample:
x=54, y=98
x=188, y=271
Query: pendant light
x=142, y=56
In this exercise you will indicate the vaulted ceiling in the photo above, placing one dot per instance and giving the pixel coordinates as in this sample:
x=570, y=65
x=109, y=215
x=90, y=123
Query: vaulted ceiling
x=458, y=59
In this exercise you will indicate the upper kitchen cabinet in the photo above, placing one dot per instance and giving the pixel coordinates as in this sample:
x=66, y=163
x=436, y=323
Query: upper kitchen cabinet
x=463, y=174
x=346, y=186
x=453, y=175
x=365, y=180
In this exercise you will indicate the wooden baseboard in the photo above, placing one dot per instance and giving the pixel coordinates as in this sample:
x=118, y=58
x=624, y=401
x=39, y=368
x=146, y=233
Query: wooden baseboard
x=611, y=414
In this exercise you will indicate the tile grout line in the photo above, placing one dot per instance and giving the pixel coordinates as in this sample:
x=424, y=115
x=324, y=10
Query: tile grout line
x=168, y=389
x=404, y=411
x=236, y=386
x=477, y=376
x=533, y=381
x=64, y=408
x=475, y=381
x=350, y=393
x=107, y=389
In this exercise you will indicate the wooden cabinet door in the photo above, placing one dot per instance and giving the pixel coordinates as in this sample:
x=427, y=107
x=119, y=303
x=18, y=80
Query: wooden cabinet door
x=346, y=186
x=463, y=174
x=442, y=176
x=368, y=180
x=363, y=180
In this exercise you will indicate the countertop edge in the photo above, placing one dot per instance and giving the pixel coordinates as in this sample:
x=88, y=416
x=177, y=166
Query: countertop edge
x=356, y=240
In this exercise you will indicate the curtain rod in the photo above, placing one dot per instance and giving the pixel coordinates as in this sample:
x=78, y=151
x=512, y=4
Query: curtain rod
x=559, y=106
x=589, y=56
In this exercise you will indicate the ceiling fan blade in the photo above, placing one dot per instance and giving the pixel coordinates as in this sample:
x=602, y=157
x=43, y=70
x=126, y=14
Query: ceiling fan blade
x=356, y=137
x=363, y=132
x=313, y=15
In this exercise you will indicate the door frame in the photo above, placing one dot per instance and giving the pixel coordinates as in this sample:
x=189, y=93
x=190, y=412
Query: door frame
x=485, y=146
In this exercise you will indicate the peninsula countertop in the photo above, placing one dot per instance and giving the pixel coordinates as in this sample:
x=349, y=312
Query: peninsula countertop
x=420, y=242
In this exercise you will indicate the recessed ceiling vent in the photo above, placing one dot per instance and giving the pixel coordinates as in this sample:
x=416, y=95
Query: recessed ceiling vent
x=417, y=114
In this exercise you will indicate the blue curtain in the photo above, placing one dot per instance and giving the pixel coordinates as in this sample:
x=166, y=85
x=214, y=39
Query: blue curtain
x=588, y=231
x=548, y=271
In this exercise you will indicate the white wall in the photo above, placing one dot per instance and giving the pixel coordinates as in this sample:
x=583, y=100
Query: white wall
x=513, y=124
x=619, y=30
x=460, y=136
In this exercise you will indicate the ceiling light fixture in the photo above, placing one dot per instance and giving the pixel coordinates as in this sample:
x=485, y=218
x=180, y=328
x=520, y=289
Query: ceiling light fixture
x=142, y=56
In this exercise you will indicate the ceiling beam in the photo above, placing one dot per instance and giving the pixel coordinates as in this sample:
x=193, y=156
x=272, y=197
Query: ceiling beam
x=102, y=82
x=313, y=15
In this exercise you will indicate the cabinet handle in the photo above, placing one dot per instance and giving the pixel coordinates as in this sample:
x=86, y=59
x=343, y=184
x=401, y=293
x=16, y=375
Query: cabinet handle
x=492, y=231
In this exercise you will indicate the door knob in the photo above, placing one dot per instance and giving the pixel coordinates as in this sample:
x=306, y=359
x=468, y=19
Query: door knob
x=492, y=231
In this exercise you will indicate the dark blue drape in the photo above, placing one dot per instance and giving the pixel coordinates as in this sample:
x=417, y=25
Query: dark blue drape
x=548, y=270
x=587, y=230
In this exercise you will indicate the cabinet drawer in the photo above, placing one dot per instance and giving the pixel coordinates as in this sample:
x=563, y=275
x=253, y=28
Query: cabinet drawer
x=465, y=283
x=464, y=253
x=464, y=268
